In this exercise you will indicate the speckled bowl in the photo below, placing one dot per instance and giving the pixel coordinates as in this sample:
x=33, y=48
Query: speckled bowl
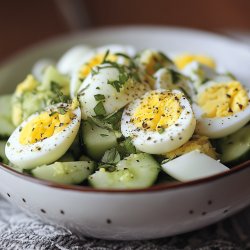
x=162, y=210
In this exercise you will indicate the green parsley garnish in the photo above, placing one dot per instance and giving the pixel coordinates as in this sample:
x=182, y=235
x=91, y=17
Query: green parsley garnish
x=99, y=109
x=99, y=97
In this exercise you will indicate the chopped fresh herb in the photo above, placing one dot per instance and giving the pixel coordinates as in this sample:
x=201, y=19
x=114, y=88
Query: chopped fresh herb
x=8, y=144
x=99, y=97
x=54, y=86
x=161, y=130
x=94, y=72
x=115, y=119
x=99, y=109
x=62, y=110
x=231, y=75
x=123, y=55
x=111, y=156
x=105, y=56
x=176, y=76
x=205, y=80
x=118, y=84
x=166, y=58
x=82, y=90
x=157, y=66
x=103, y=135
x=126, y=147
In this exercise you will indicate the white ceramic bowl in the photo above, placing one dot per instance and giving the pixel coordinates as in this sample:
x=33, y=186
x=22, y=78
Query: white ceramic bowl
x=162, y=210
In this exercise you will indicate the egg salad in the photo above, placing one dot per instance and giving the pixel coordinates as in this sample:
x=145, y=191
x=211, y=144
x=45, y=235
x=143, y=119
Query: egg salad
x=113, y=117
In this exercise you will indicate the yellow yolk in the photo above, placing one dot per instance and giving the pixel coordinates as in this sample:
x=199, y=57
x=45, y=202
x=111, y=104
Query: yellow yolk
x=157, y=111
x=182, y=60
x=95, y=61
x=152, y=61
x=223, y=99
x=44, y=126
x=197, y=142
x=28, y=84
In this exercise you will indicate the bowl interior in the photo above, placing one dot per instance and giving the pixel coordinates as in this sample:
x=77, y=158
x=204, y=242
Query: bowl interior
x=232, y=55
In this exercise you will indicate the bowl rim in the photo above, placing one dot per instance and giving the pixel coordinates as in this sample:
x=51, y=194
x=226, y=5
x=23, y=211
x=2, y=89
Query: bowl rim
x=155, y=188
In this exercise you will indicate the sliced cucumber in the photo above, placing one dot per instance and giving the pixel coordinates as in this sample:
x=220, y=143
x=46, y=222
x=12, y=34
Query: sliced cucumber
x=3, y=157
x=97, y=140
x=6, y=127
x=65, y=172
x=52, y=75
x=135, y=171
x=235, y=148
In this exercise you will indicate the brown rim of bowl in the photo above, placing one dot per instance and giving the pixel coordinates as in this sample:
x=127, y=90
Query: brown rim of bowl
x=159, y=187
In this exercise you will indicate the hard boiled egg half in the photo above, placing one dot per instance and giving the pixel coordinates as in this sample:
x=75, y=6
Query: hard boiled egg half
x=95, y=57
x=44, y=137
x=221, y=108
x=107, y=89
x=158, y=122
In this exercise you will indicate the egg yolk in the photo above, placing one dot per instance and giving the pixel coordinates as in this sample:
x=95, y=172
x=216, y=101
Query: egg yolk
x=152, y=61
x=157, y=111
x=197, y=142
x=182, y=60
x=28, y=84
x=94, y=61
x=223, y=99
x=44, y=126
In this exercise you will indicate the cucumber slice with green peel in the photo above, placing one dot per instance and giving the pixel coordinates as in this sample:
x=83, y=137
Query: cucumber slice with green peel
x=6, y=127
x=65, y=172
x=3, y=157
x=97, y=140
x=235, y=148
x=53, y=76
x=135, y=171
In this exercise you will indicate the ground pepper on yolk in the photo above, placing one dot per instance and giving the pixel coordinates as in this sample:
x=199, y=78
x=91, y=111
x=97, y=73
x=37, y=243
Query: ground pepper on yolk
x=44, y=126
x=223, y=99
x=157, y=111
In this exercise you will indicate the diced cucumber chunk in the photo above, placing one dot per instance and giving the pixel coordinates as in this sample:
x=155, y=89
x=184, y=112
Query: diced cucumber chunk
x=65, y=172
x=97, y=140
x=52, y=75
x=6, y=127
x=135, y=171
x=3, y=157
x=235, y=148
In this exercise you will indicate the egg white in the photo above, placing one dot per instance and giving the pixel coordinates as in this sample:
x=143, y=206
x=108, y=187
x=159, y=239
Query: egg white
x=159, y=143
x=98, y=85
x=218, y=127
x=45, y=151
x=71, y=58
x=40, y=66
x=193, y=165
x=163, y=80
x=112, y=48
